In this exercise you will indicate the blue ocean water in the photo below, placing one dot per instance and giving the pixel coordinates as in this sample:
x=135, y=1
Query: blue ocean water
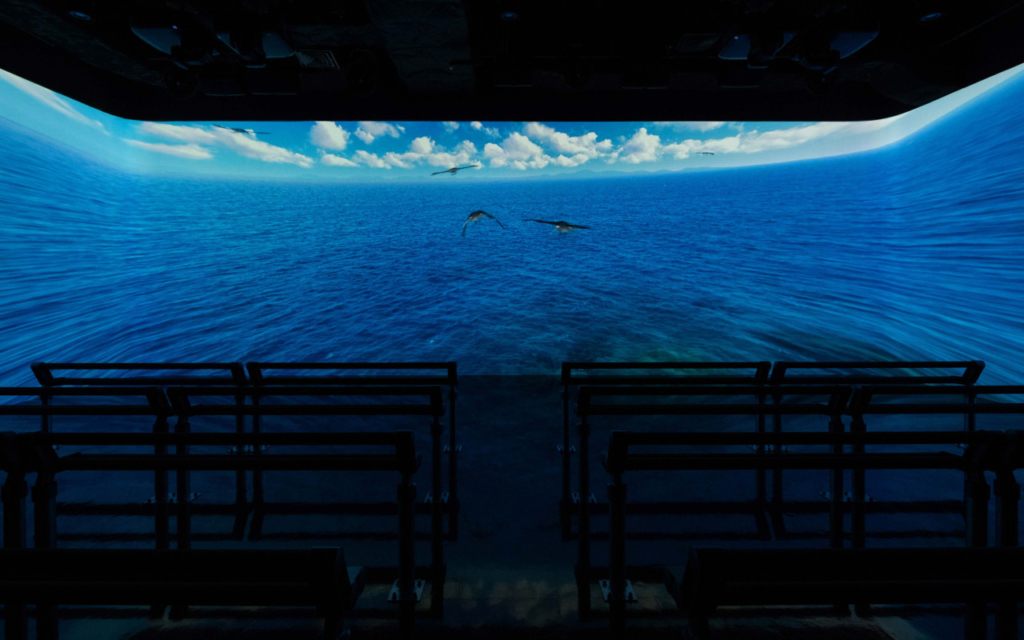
x=911, y=251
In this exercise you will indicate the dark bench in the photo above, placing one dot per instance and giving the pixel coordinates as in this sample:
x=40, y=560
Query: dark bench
x=317, y=577
x=821, y=402
x=160, y=375
x=737, y=577
x=911, y=374
x=604, y=374
x=26, y=453
x=833, y=578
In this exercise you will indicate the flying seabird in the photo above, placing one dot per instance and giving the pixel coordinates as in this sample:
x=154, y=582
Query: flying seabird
x=455, y=170
x=561, y=225
x=249, y=131
x=477, y=215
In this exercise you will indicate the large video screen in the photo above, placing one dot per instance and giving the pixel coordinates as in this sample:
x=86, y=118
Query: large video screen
x=512, y=246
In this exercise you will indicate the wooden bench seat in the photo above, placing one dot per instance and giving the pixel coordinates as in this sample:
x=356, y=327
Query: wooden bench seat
x=317, y=577
x=737, y=577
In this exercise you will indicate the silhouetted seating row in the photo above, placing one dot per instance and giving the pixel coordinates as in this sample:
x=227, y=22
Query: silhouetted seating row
x=759, y=381
x=743, y=577
x=262, y=379
x=764, y=577
x=317, y=577
x=33, y=453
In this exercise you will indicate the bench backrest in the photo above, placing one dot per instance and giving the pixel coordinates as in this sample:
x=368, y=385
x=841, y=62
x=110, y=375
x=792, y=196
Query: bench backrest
x=225, y=373
x=323, y=569
x=853, y=372
x=670, y=373
x=672, y=400
x=298, y=373
x=419, y=400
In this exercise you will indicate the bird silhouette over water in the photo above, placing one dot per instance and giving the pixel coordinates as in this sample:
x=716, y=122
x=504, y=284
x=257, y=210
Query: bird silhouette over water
x=248, y=131
x=561, y=225
x=477, y=215
x=455, y=170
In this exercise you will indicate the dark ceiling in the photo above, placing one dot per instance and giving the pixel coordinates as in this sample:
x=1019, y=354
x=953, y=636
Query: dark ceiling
x=508, y=60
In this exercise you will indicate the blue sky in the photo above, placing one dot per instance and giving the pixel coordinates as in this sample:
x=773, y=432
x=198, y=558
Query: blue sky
x=411, y=151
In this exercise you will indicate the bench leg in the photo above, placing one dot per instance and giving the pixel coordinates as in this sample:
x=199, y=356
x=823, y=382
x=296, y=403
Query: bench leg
x=13, y=494
x=335, y=628
x=700, y=627
x=1007, y=498
x=978, y=492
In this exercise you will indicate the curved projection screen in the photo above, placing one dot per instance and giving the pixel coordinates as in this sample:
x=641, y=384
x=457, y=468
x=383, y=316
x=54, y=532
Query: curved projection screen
x=334, y=241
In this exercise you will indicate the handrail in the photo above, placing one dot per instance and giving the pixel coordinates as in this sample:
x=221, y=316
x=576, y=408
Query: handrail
x=28, y=452
x=618, y=457
x=972, y=370
x=44, y=373
x=180, y=399
x=759, y=375
x=157, y=404
x=838, y=397
x=989, y=450
x=862, y=400
x=257, y=373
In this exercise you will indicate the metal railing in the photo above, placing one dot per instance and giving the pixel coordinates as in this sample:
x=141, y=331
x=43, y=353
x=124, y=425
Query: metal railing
x=185, y=401
x=668, y=373
x=849, y=372
x=150, y=374
x=281, y=374
x=589, y=407
x=25, y=453
x=998, y=452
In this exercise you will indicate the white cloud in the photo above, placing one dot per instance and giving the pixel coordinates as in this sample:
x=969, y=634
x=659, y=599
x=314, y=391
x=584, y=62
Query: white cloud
x=329, y=135
x=642, y=147
x=491, y=131
x=517, y=151
x=371, y=160
x=369, y=131
x=421, y=149
x=191, y=150
x=587, y=144
x=450, y=125
x=51, y=99
x=239, y=143
x=461, y=155
x=336, y=161
x=422, y=145
x=691, y=126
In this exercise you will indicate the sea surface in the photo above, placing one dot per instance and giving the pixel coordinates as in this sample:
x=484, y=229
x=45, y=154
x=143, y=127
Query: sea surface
x=913, y=251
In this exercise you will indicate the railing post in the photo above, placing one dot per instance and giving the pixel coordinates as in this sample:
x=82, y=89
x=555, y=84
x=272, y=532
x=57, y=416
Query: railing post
x=617, y=557
x=13, y=494
x=1007, y=498
x=835, y=525
x=256, y=528
x=777, y=497
x=453, y=469
x=761, y=478
x=184, y=516
x=583, y=562
x=836, y=506
x=566, y=502
x=407, y=556
x=162, y=520
x=241, y=493
x=858, y=534
x=857, y=518
x=44, y=507
x=976, y=619
x=436, y=524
